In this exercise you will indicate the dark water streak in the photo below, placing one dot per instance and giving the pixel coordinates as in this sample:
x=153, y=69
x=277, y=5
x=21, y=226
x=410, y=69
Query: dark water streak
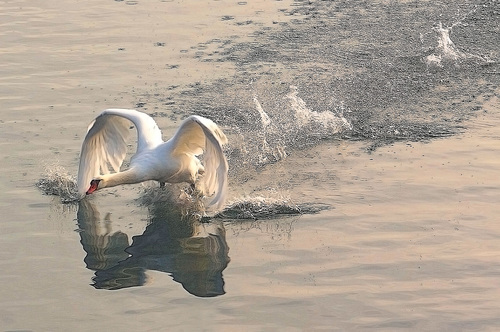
x=367, y=57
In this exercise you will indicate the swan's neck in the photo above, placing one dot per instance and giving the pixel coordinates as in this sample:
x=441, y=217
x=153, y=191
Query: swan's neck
x=126, y=177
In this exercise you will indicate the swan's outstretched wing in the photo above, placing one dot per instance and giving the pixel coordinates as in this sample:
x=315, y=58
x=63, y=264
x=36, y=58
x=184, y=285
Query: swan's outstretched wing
x=106, y=142
x=198, y=135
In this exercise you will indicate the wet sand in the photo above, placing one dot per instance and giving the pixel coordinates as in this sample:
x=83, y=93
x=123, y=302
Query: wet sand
x=409, y=242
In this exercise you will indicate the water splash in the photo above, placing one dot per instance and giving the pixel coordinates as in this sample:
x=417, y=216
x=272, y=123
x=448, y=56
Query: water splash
x=325, y=123
x=290, y=124
x=268, y=153
x=176, y=195
x=191, y=205
x=446, y=52
x=57, y=181
x=266, y=121
x=265, y=208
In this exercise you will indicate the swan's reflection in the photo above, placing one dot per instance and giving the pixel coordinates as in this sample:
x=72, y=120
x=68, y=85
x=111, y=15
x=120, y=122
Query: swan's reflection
x=194, y=253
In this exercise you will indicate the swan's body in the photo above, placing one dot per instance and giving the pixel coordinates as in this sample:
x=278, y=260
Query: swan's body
x=173, y=161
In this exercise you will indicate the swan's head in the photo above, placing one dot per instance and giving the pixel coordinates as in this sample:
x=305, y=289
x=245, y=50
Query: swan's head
x=94, y=185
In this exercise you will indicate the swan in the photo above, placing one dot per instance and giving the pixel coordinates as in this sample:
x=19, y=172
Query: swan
x=173, y=161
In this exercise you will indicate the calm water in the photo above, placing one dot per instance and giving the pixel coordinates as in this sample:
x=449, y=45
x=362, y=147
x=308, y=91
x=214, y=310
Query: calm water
x=383, y=113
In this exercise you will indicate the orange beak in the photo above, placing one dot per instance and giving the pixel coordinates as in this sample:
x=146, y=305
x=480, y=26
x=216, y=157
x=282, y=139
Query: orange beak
x=93, y=186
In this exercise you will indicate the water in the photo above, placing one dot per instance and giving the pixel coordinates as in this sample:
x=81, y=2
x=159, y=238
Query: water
x=363, y=166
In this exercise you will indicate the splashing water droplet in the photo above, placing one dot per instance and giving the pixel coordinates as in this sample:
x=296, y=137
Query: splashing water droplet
x=57, y=181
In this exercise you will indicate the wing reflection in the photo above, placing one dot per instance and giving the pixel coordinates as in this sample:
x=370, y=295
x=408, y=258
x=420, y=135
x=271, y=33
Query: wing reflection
x=194, y=253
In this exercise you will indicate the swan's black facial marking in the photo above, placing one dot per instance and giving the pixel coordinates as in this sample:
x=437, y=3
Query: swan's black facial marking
x=94, y=184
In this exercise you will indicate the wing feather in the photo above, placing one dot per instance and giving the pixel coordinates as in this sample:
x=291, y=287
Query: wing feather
x=198, y=135
x=106, y=142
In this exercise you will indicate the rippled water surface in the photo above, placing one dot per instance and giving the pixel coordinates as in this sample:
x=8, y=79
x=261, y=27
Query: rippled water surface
x=364, y=142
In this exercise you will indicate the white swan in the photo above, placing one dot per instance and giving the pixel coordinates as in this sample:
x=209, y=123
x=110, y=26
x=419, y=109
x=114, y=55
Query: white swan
x=173, y=161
